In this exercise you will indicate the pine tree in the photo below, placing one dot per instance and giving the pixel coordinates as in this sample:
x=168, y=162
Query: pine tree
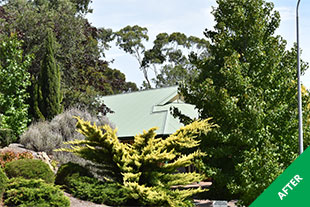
x=49, y=93
x=147, y=169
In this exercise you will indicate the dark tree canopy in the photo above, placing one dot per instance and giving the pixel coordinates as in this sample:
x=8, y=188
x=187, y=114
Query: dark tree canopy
x=78, y=47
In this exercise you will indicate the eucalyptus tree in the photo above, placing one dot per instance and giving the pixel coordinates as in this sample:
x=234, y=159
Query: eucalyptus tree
x=169, y=57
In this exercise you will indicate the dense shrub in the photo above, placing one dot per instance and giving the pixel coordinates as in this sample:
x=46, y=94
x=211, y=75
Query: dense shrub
x=65, y=171
x=40, y=137
x=66, y=123
x=47, y=136
x=91, y=189
x=146, y=169
x=7, y=136
x=3, y=182
x=9, y=156
x=31, y=192
x=78, y=181
x=30, y=169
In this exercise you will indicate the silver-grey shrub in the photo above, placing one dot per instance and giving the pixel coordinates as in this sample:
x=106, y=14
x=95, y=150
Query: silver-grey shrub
x=47, y=136
x=41, y=137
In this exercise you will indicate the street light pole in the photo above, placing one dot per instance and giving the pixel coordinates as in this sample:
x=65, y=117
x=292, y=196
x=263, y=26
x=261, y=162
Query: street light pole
x=300, y=136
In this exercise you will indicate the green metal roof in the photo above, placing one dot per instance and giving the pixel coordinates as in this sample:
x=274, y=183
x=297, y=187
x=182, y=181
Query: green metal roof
x=142, y=110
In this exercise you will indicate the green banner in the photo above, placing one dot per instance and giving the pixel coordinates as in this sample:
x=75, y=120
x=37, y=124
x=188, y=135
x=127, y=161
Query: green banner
x=291, y=188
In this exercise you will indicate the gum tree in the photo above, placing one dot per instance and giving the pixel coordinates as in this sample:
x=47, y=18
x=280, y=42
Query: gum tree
x=168, y=59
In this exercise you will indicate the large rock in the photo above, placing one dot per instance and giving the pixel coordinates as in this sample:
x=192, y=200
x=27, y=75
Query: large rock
x=19, y=148
x=16, y=148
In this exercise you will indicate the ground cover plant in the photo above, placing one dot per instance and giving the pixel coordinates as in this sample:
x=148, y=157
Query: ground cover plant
x=31, y=192
x=3, y=182
x=80, y=183
x=147, y=169
x=97, y=191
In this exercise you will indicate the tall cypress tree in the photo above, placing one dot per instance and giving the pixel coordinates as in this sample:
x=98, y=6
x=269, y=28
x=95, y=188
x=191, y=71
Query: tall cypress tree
x=49, y=82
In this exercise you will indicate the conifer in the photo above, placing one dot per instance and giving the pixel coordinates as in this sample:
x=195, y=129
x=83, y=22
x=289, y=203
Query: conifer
x=50, y=96
x=148, y=168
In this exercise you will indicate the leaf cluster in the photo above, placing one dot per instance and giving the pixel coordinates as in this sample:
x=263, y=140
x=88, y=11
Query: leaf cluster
x=3, y=182
x=14, y=80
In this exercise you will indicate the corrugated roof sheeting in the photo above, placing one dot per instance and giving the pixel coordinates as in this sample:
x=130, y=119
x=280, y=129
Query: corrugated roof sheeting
x=142, y=110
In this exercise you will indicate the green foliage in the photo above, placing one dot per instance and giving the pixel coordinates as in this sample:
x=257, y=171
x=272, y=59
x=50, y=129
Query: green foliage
x=49, y=82
x=24, y=192
x=29, y=169
x=130, y=39
x=66, y=171
x=79, y=182
x=3, y=182
x=78, y=48
x=248, y=86
x=259, y=164
x=91, y=189
x=14, y=80
x=172, y=53
x=147, y=169
x=169, y=57
x=7, y=136
x=82, y=5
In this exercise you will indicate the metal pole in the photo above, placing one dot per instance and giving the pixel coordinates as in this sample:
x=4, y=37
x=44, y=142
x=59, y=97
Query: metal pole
x=300, y=137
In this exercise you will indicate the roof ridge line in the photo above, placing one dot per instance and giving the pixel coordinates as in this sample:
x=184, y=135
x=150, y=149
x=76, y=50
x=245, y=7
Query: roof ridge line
x=172, y=95
x=140, y=91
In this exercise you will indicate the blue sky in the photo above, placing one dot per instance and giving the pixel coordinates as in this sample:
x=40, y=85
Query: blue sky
x=189, y=17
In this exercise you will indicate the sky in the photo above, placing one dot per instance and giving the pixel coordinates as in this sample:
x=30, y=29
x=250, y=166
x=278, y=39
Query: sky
x=189, y=17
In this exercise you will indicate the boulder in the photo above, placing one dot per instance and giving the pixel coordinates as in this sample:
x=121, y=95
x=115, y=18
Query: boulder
x=19, y=148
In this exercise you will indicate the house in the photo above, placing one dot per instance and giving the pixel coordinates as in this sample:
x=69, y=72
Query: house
x=142, y=110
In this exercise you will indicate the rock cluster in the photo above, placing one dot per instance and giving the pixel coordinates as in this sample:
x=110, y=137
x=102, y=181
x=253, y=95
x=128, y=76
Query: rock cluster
x=19, y=148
